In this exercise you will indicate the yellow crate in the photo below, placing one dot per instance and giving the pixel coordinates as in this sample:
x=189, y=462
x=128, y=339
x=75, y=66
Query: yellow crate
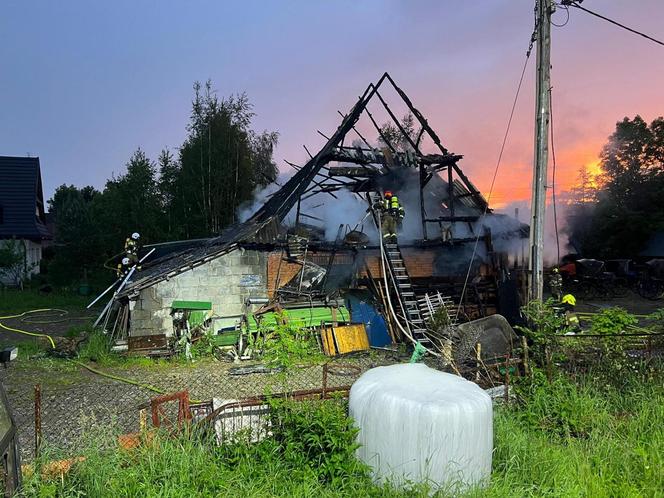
x=344, y=339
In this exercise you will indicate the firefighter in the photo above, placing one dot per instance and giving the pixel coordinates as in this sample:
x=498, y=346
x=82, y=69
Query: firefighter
x=396, y=210
x=123, y=267
x=131, y=247
x=568, y=303
x=556, y=284
x=391, y=214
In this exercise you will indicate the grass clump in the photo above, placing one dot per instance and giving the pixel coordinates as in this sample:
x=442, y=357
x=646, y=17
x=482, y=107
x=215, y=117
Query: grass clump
x=311, y=453
x=581, y=437
x=14, y=301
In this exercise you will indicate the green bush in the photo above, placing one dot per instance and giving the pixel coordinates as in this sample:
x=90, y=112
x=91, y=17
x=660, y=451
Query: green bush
x=317, y=435
x=97, y=348
x=289, y=345
x=612, y=321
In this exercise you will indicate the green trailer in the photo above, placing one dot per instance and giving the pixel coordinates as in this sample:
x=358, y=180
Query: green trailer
x=298, y=317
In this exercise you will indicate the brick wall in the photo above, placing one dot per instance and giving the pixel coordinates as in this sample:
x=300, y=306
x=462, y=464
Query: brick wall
x=226, y=281
x=419, y=262
x=286, y=272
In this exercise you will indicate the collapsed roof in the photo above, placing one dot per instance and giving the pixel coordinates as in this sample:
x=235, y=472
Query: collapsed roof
x=360, y=169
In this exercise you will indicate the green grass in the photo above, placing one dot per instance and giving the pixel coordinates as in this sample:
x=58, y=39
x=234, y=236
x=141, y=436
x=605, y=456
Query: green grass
x=582, y=438
x=14, y=301
x=574, y=437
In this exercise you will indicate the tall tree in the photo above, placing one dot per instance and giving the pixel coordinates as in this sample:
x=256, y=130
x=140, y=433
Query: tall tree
x=392, y=134
x=628, y=208
x=77, y=235
x=131, y=203
x=221, y=162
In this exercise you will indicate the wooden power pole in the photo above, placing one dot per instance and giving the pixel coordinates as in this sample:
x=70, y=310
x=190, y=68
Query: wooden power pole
x=538, y=203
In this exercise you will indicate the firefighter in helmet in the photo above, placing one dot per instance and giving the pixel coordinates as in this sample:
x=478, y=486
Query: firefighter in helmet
x=123, y=267
x=391, y=213
x=131, y=247
x=568, y=303
x=556, y=284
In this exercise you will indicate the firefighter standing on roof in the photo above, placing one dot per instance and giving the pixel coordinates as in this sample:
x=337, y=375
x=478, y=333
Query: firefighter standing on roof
x=131, y=247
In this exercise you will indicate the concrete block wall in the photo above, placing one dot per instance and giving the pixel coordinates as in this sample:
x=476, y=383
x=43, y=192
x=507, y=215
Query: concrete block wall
x=226, y=281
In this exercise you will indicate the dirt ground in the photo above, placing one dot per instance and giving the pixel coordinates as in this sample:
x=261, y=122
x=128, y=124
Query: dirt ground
x=55, y=324
x=631, y=302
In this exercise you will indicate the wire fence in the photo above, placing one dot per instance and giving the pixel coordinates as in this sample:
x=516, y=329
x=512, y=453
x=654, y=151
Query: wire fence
x=59, y=408
x=581, y=353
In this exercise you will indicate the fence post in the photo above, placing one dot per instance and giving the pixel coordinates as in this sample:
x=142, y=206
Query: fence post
x=324, y=379
x=143, y=419
x=524, y=349
x=478, y=357
x=547, y=360
x=38, y=421
x=507, y=380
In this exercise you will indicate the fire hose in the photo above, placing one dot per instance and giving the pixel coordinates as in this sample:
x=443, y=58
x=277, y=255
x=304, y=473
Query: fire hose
x=389, y=300
x=25, y=332
x=87, y=367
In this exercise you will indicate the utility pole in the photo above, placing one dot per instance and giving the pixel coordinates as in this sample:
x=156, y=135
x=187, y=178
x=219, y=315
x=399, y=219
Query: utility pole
x=542, y=116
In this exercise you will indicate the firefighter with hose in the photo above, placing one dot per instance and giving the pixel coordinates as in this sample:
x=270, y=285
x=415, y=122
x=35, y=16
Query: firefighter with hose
x=131, y=247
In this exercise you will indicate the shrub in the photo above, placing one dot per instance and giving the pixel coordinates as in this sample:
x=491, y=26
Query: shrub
x=612, y=321
x=288, y=345
x=97, y=348
x=317, y=435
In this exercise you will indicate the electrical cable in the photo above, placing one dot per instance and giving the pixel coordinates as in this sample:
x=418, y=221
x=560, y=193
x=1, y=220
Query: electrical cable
x=500, y=157
x=566, y=9
x=575, y=4
x=553, y=178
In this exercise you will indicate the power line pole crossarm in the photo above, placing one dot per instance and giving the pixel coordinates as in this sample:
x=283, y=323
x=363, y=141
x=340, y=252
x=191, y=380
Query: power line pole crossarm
x=542, y=116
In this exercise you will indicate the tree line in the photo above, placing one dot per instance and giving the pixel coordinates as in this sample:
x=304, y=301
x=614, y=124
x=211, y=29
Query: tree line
x=193, y=192
x=616, y=214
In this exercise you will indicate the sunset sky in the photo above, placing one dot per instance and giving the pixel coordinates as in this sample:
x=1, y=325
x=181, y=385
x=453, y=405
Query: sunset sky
x=83, y=84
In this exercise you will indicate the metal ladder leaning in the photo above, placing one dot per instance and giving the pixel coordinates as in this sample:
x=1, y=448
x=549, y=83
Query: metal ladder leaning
x=403, y=287
x=431, y=303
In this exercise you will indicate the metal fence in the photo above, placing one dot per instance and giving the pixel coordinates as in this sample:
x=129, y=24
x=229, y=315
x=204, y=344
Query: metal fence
x=59, y=412
x=578, y=353
x=60, y=409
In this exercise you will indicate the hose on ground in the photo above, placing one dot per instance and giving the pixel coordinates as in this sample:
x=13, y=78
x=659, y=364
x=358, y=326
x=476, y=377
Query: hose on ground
x=25, y=332
x=76, y=362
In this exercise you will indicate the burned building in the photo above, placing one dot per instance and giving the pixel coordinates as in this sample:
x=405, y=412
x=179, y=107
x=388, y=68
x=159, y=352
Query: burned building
x=291, y=253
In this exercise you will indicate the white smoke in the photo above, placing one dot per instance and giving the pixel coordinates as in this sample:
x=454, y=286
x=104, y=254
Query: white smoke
x=551, y=241
x=260, y=197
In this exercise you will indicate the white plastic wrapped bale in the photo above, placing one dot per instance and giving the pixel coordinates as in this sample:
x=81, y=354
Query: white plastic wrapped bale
x=421, y=425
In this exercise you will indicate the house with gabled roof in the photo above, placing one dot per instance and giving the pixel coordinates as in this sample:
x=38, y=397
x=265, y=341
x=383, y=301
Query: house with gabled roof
x=22, y=212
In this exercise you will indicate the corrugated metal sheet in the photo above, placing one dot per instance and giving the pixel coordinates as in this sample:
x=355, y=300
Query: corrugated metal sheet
x=21, y=199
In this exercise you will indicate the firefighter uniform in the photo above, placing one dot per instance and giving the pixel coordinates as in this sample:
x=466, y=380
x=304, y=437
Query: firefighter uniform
x=391, y=215
x=556, y=284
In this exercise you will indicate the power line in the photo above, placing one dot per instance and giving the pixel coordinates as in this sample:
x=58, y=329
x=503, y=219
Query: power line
x=495, y=173
x=553, y=180
x=566, y=9
x=576, y=4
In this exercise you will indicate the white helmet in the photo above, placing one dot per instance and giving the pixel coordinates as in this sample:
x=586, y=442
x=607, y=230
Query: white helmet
x=125, y=261
x=135, y=236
